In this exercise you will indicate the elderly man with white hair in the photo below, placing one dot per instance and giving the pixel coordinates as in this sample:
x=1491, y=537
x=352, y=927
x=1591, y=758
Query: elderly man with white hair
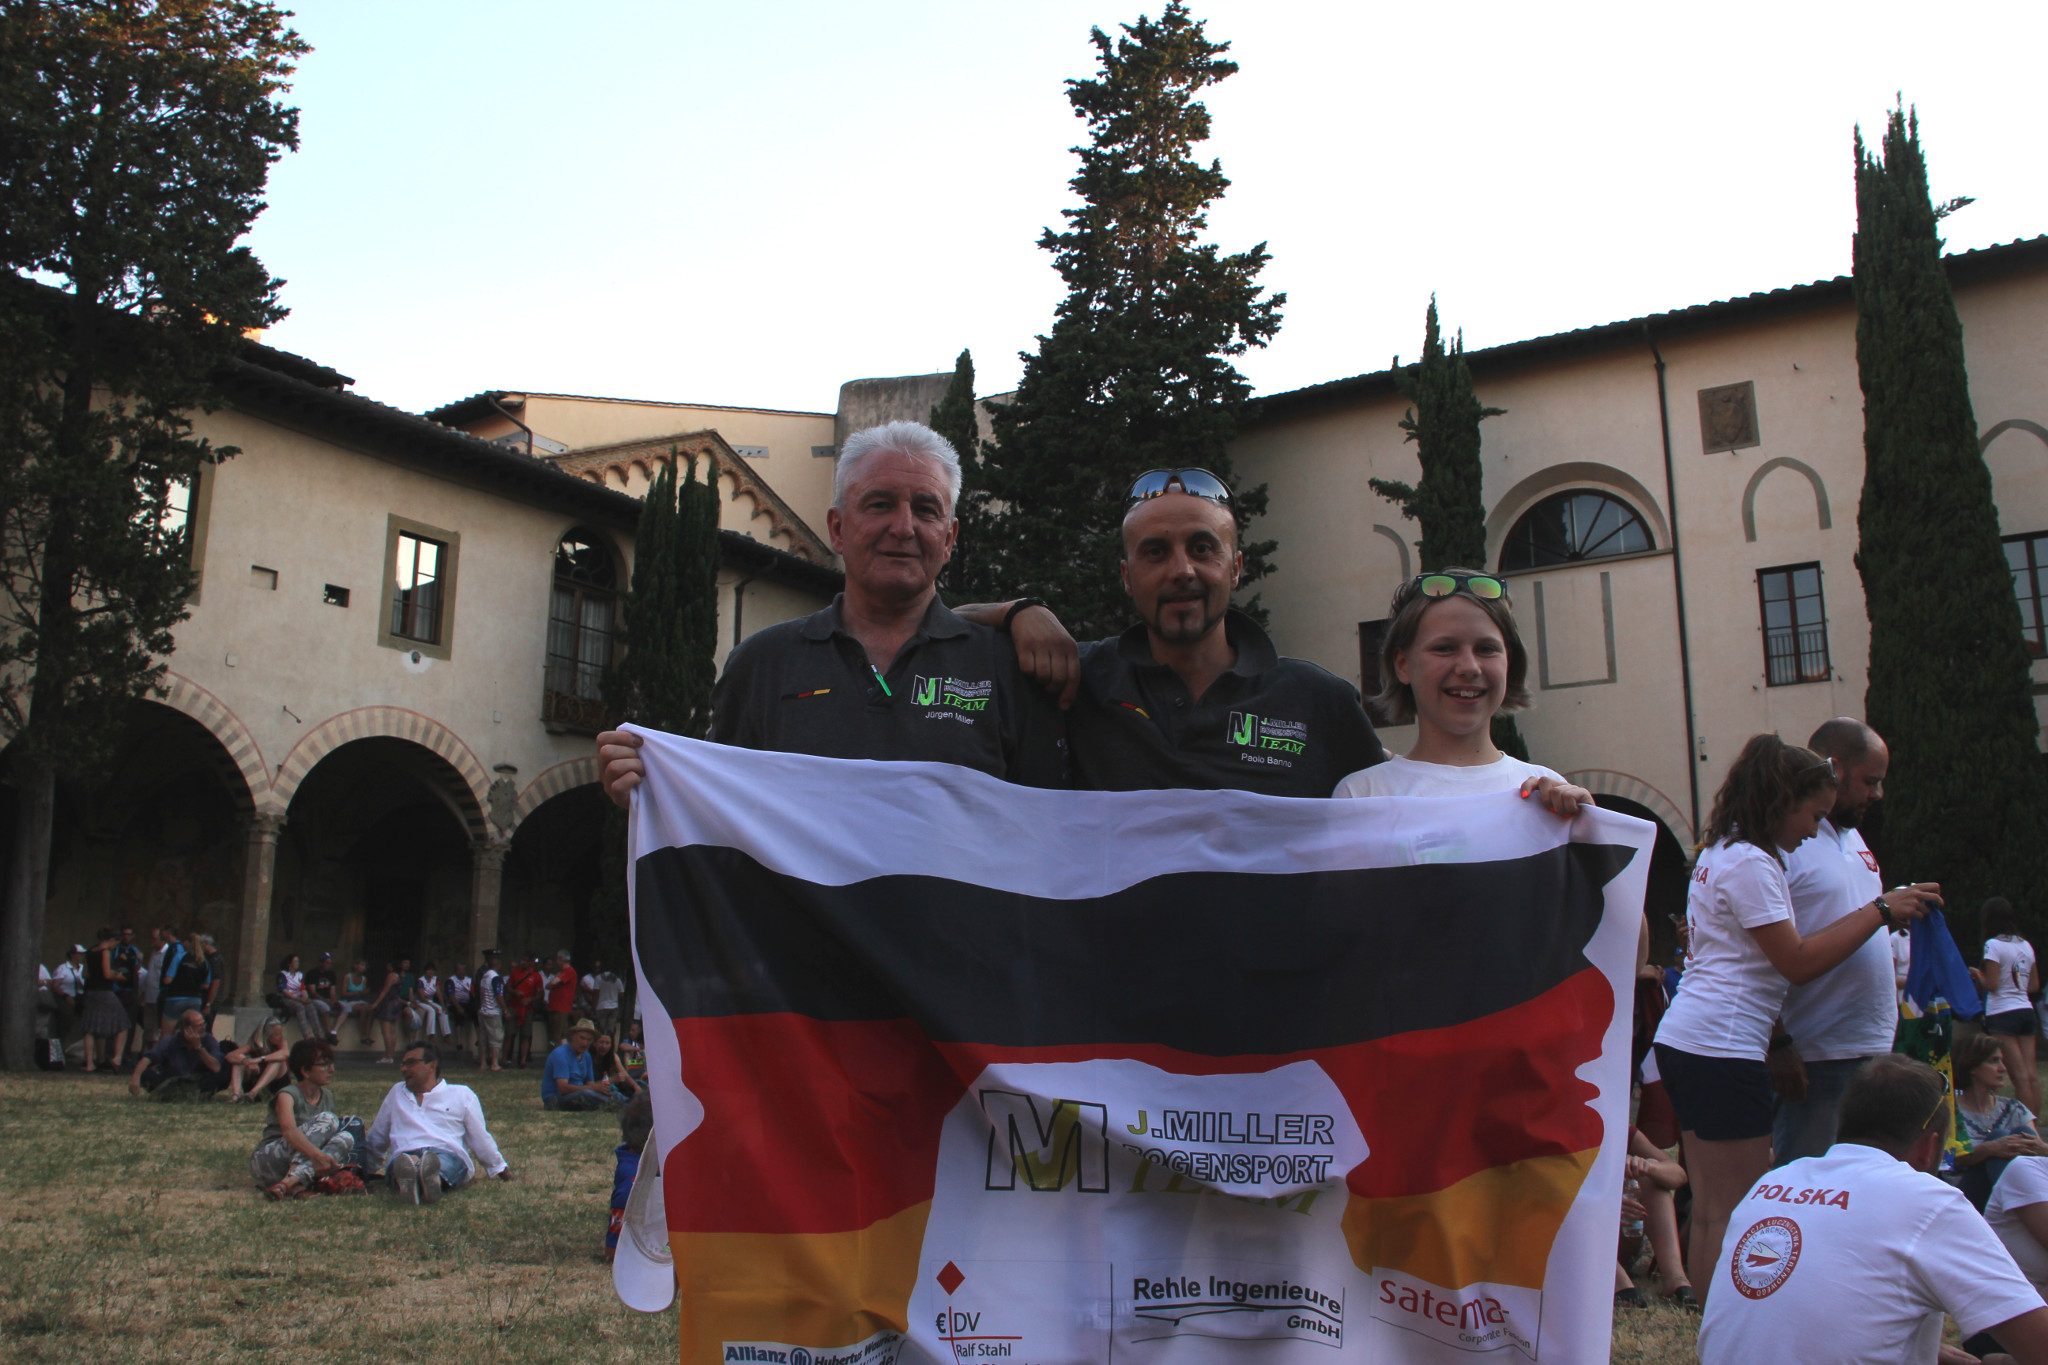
x=886, y=671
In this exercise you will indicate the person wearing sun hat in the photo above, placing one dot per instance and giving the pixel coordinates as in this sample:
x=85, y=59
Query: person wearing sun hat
x=570, y=1079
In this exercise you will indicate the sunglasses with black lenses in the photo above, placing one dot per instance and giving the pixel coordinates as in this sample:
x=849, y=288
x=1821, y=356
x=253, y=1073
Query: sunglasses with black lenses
x=1444, y=584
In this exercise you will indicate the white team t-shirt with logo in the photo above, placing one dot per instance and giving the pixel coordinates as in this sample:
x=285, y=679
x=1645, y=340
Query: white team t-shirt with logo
x=1853, y=1257
x=2025, y=1182
x=1731, y=992
x=2014, y=959
x=490, y=984
x=1408, y=777
x=1852, y=1011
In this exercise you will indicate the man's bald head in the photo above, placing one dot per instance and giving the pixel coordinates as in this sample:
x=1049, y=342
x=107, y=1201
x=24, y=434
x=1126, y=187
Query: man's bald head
x=1861, y=762
x=1844, y=739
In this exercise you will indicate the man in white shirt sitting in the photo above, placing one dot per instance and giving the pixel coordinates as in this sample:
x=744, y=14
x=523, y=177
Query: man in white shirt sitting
x=1854, y=1256
x=430, y=1133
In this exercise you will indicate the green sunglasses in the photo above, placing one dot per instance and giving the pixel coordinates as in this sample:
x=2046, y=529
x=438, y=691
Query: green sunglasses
x=1483, y=586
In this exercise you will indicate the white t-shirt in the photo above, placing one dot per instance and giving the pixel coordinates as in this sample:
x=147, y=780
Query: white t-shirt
x=69, y=978
x=607, y=987
x=1731, y=992
x=1853, y=1257
x=1852, y=1011
x=2025, y=1182
x=1902, y=960
x=491, y=985
x=1409, y=777
x=2014, y=958
x=152, y=977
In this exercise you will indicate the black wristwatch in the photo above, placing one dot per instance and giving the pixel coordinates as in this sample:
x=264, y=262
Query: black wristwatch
x=1019, y=605
x=1884, y=912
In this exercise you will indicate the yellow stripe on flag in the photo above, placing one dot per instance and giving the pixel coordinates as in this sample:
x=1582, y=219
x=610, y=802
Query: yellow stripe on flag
x=809, y=1288
x=1493, y=1227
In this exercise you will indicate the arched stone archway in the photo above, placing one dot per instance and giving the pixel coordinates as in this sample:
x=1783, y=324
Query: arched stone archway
x=1764, y=471
x=159, y=841
x=183, y=695
x=467, y=793
x=376, y=860
x=575, y=772
x=1608, y=782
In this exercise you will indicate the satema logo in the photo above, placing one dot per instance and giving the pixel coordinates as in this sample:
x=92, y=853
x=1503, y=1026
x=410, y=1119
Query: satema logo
x=951, y=698
x=1266, y=740
x=1476, y=1317
x=1764, y=1258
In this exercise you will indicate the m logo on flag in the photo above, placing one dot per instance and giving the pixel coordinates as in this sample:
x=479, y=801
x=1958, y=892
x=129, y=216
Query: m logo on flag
x=1070, y=1144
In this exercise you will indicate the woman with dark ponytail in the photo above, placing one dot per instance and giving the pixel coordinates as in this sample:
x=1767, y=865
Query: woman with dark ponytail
x=1746, y=953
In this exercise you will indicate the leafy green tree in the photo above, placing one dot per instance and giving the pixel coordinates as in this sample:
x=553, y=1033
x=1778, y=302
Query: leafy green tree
x=1447, y=501
x=135, y=140
x=1950, y=688
x=1136, y=372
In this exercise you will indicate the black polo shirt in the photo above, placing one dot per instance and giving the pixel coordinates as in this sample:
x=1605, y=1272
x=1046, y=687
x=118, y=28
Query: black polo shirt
x=954, y=695
x=1283, y=727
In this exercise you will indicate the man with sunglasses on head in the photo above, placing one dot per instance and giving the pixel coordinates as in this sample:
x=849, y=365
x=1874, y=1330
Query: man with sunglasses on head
x=1194, y=695
x=886, y=671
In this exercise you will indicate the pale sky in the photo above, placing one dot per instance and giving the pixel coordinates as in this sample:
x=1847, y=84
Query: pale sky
x=750, y=204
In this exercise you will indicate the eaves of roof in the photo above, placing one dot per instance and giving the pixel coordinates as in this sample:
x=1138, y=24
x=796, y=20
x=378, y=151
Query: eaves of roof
x=481, y=404
x=283, y=393
x=1965, y=267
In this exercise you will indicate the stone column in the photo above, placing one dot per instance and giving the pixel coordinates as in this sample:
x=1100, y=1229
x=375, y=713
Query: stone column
x=252, y=952
x=486, y=884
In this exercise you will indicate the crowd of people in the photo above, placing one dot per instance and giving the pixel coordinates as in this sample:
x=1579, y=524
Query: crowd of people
x=118, y=998
x=1782, y=1145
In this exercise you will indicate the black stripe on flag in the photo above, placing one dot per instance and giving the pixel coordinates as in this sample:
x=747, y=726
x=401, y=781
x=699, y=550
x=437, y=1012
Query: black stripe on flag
x=1212, y=963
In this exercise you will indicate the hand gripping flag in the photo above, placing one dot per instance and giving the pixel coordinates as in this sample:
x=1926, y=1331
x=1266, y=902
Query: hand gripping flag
x=959, y=1070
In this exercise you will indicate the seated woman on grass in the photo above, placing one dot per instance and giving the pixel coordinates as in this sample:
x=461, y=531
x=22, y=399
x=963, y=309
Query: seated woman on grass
x=303, y=1140
x=259, y=1064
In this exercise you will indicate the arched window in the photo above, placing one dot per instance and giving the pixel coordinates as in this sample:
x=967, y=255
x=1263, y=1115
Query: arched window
x=1567, y=527
x=581, y=618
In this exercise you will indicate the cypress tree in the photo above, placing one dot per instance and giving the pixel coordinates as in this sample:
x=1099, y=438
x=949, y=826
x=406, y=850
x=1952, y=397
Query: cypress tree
x=670, y=640
x=970, y=575
x=1136, y=372
x=135, y=143
x=1447, y=501
x=1950, y=686
x=696, y=576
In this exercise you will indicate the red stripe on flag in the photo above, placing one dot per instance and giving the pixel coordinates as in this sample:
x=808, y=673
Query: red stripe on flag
x=808, y=1126
x=840, y=1122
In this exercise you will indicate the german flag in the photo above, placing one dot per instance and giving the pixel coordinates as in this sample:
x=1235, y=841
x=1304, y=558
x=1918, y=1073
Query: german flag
x=960, y=1070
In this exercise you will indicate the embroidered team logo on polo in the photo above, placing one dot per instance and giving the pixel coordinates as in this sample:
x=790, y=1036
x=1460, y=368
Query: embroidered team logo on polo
x=952, y=694
x=1764, y=1258
x=1869, y=858
x=1249, y=731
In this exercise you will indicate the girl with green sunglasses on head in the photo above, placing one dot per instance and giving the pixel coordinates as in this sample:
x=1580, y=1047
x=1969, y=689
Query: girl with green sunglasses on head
x=1451, y=660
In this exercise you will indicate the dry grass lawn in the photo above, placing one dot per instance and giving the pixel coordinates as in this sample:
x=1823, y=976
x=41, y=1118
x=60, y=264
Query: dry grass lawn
x=133, y=1232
